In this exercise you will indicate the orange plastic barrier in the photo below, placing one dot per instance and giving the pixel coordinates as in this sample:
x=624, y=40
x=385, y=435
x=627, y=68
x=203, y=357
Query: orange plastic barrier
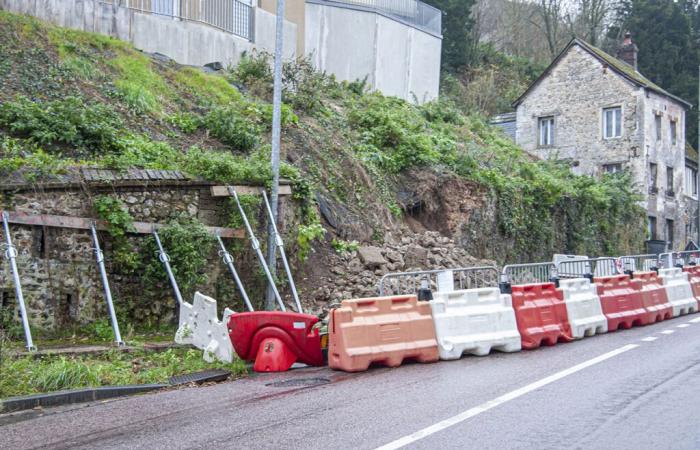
x=621, y=302
x=654, y=297
x=694, y=279
x=541, y=315
x=382, y=330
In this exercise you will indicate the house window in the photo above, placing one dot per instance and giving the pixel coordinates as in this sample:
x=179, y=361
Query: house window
x=546, y=127
x=612, y=122
x=691, y=181
x=673, y=132
x=652, y=227
x=669, y=182
x=653, y=168
x=657, y=118
x=669, y=232
x=612, y=168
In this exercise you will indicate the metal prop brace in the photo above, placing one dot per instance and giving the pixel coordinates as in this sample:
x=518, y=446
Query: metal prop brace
x=165, y=259
x=228, y=260
x=256, y=246
x=11, y=255
x=100, y=257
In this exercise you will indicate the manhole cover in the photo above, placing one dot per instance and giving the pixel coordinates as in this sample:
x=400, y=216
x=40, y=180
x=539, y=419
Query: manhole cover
x=200, y=377
x=299, y=382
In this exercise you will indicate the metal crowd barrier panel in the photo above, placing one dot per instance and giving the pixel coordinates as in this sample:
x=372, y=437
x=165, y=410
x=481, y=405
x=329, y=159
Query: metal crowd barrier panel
x=596, y=267
x=448, y=279
x=639, y=263
x=528, y=273
x=669, y=260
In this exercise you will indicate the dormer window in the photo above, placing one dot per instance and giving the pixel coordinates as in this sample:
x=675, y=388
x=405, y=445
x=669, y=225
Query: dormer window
x=546, y=131
x=612, y=122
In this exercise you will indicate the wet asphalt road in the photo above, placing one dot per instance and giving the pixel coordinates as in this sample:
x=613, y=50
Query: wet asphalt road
x=621, y=390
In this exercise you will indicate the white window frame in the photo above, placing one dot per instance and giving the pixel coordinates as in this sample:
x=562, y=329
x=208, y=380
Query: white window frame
x=545, y=131
x=616, y=168
x=616, y=124
x=691, y=182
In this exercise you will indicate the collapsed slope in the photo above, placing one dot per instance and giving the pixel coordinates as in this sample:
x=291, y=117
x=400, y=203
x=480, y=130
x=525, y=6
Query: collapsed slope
x=364, y=167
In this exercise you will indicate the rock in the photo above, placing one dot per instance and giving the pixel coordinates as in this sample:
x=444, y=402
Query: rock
x=415, y=256
x=393, y=256
x=371, y=256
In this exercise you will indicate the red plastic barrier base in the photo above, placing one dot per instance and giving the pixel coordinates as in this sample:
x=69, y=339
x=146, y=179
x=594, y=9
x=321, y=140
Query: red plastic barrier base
x=621, y=302
x=654, y=297
x=273, y=356
x=275, y=339
x=694, y=279
x=541, y=315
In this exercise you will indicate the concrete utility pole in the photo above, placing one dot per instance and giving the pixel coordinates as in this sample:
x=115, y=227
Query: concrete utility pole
x=275, y=156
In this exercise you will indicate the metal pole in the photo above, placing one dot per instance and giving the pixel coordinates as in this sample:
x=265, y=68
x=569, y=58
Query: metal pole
x=165, y=259
x=275, y=153
x=697, y=172
x=256, y=246
x=100, y=257
x=280, y=245
x=11, y=255
x=228, y=260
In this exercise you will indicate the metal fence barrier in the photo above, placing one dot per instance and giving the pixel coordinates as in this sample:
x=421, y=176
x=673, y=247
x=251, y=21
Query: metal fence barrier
x=597, y=267
x=669, y=260
x=460, y=278
x=413, y=12
x=639, y=263
x=233, y=16
x=528, y=273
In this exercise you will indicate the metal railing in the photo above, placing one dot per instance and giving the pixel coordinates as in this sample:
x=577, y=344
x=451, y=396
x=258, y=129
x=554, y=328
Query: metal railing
x=457, y=279
x=597, y=267
x=233, y=16
x=528, y=273
x=413, y=12
x=639, y=263
x=669, y=260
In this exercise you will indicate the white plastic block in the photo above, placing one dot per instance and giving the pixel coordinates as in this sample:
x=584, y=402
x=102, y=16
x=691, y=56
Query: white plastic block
x=201, y=327
x=583, y=307
x=446, y=281
x=474, y=321
x=679, y=291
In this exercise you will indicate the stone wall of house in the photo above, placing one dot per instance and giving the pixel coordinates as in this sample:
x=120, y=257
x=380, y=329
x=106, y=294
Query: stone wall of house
x=60, y=278
x=575, y=93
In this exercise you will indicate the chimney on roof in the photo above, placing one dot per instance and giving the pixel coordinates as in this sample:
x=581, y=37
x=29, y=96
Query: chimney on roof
x=628, y=51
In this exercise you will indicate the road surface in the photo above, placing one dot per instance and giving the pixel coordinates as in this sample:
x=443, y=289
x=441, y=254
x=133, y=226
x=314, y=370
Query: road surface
x=632, y=389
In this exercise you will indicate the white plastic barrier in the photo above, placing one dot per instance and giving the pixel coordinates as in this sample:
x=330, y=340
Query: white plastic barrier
x=583, y=307
x=201, y=327
x=679, y=291
x=474, y=321
x=558, y=257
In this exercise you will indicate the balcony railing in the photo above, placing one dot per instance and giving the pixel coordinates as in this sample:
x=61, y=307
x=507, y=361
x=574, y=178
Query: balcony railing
x=412, y=12
x=233, y=16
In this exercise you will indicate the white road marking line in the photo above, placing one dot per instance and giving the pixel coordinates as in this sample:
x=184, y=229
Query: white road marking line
x=468, y=414
x=667, y=331
x=696, y=320
x=683, y=325
x=650, y=339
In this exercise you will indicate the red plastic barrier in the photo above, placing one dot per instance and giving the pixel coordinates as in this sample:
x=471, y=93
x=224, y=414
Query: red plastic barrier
x=621, y=302
x=654, y=297
x=541, y=315
x=275, y=340
x=694, y=279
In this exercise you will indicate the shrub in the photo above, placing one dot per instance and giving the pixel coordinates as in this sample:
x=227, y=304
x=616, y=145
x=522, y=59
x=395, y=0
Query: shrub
x=228, y=125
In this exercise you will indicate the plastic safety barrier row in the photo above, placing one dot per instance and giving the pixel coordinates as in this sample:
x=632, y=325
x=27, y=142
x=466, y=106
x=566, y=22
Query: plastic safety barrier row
x=275, y=339
x=540, y=312
x=620, y=301
x=583, y=308
x=654, y=297
x=381, y=330
x=694, y=280
x=680, y=294
x=200, y=326
x=474, y=321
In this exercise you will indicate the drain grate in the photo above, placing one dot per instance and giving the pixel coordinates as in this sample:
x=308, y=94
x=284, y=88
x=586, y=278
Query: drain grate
x=299, y=382
x=200, y=377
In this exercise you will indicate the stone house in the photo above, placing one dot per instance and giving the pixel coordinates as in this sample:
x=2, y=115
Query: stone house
x=600, y=115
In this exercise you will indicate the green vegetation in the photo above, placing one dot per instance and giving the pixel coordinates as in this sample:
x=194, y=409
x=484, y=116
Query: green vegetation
x=29, y=375
x=342, y=247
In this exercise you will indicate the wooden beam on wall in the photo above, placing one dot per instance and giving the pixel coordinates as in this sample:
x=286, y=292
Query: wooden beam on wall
x=222, y=191
x=83, y=223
